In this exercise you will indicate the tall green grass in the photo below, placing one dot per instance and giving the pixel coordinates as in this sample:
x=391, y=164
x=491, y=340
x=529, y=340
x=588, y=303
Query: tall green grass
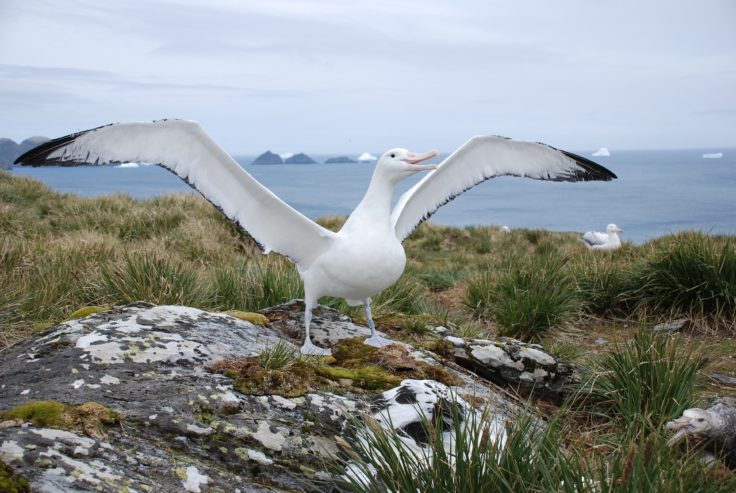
x=642, y=384
x=692, y=275
x=526, y=300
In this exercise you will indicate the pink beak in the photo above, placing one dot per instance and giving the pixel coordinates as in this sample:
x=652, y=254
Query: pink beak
x=413, y=158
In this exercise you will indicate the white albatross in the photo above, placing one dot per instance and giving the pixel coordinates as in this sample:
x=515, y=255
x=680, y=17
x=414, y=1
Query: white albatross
x=366, y=255
x=608, y=241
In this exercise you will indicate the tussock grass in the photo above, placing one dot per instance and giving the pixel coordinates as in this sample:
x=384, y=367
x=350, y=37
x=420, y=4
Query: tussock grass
x=693, y=275
x=643, y=383
x=526, y=300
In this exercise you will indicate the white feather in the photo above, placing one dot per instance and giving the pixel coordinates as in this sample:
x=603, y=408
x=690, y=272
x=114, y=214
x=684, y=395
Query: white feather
x=185, y=149
x=477, y=160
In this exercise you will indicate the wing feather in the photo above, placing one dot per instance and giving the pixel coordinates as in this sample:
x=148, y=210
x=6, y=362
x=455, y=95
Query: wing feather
x=186, y=150
x=480, y=159
x=595, y=238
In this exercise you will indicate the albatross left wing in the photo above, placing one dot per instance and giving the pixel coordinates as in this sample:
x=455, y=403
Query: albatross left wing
x=480, y=159
x=186, y=150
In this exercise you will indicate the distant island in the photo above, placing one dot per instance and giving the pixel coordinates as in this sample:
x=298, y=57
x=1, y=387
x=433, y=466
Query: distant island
x=10, y=151
x=340, y=160
x=300, y=158
x=268, y=157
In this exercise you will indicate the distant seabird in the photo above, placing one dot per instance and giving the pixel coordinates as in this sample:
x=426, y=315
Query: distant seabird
x=366, y=255
x=607, y=241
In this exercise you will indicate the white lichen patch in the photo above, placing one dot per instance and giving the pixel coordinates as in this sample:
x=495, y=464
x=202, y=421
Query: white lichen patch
x=283, y=402
x=494, y=356
x=258, y=456
x=536, y=355
x=95, y=472
x=63, y=436
x=199, y=430
x=194, y=480
x=10, y=451
x=26, y=392
x=269, y=439
x=76, y=384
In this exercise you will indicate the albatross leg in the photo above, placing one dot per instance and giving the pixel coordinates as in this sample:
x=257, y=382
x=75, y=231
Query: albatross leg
x=374, y=339
x=308, y=347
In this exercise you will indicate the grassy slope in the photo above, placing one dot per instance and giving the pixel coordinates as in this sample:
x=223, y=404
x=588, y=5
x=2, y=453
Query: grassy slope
x=59, y=253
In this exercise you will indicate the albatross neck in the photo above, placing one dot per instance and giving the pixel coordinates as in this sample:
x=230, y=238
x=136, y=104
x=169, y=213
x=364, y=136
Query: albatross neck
x=375, y=208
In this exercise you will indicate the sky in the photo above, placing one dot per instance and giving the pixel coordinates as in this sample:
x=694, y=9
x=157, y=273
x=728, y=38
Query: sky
x=333, y=76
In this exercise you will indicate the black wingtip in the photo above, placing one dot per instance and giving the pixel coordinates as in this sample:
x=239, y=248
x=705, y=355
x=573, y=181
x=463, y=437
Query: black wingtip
x=39, y=155
x=593, y=170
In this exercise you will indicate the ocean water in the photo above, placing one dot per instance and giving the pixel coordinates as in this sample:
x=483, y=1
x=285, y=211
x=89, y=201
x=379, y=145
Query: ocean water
x=657, y=192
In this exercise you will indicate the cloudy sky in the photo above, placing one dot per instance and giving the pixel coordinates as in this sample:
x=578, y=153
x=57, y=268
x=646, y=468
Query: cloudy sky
x=350, y=76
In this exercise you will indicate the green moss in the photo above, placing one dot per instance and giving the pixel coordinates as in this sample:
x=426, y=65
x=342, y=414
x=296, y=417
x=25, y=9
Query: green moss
x=352, y=352
x=368, y=377
x=40, y=327
x=252, y=317
x=86, y=311
x=11, y=482
x=47, y=414
x=89, y=417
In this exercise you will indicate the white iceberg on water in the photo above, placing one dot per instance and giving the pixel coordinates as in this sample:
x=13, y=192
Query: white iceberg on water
x=603, y=151
x=713, y=155
x=366, y=156
x=127, y=165
x=286, y=155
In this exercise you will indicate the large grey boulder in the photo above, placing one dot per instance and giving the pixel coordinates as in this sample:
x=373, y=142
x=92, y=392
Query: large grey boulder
x=139, y=408
x=510, y=362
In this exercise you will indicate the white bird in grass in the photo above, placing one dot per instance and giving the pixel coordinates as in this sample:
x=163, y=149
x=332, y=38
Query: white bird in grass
x=366, y=255
x=608, y=241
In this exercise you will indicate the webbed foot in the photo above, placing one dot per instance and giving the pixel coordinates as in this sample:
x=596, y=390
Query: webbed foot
x=378, y=341
x=310, y=349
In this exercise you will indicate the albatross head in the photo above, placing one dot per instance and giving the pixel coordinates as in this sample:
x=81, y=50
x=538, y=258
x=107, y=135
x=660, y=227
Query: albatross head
x=400, y=163
x=694, y=421
x=612, y=228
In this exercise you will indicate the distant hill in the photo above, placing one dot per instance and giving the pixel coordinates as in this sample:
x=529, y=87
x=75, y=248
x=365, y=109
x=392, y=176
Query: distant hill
x=340, y=160
x=9, y=150
x=268, y=157
x=300, y=158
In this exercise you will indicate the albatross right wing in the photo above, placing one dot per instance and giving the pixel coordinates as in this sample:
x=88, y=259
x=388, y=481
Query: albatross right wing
x=186, y=150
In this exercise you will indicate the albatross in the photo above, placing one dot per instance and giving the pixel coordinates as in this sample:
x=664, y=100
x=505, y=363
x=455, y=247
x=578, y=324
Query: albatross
x=366, y=255
x=608, y=241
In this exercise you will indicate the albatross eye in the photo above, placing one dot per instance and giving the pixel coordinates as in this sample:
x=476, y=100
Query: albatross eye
x=393, y=155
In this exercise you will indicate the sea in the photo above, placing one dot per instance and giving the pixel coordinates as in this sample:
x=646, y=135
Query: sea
x=658, y=192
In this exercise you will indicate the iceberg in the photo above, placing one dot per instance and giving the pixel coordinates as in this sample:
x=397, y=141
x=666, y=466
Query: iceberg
x=286, y=155
x=713, y=155
x=603, y=151
x=127, y=165
x=367, y=156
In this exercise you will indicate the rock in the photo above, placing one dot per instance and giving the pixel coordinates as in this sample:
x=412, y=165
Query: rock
x=127, y=399
x=300, y=158
x=268, y=157
x=518, y=364
x=724, y=379
x=340, y=160
x=672, y=326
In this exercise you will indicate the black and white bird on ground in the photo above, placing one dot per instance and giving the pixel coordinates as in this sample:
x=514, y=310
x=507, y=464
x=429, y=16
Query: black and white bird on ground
x=366, y=255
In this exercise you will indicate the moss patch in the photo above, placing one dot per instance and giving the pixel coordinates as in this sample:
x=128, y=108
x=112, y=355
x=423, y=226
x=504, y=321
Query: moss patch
x=252, y=317
x=11, y=482
x=90, y=417
x=86, y=311
x=354, y=367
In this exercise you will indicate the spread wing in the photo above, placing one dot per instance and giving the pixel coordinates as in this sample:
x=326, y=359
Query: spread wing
x=480, y=159
x=186, y=150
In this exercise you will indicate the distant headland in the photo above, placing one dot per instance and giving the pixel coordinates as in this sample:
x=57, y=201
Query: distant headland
x=10, y=150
